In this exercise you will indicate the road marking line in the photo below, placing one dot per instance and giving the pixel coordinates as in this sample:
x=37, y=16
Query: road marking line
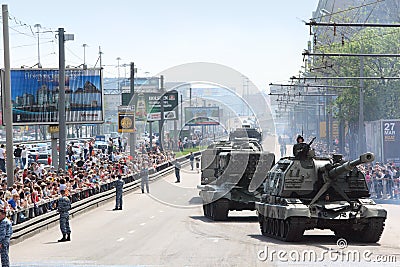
x=131, y=231
x=121, y=239
x=142, y=224
x=161, y=211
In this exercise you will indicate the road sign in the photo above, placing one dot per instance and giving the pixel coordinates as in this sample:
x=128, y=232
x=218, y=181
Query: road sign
x=53, y=129
x=126, y=121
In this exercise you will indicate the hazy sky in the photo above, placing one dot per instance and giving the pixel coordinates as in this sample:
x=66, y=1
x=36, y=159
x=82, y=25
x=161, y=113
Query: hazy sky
x=262, y=39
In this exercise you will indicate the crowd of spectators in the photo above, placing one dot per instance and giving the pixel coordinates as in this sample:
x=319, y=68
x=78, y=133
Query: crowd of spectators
x=383, y=180
x=85, y=174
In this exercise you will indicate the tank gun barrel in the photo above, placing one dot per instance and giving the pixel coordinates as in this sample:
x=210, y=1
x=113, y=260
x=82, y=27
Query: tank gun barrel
x=349, y=165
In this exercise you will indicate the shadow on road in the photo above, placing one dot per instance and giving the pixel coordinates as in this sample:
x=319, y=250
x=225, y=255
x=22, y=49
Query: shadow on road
x=196, y=201
x=51, y=242
x=320, y=241
x=236, y=219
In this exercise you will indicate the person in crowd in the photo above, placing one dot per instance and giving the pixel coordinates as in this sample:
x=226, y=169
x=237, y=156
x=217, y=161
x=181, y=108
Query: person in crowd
x=85, y=149
x=90, y=145
x=24, y=154
x=2, y=158
x=144, y=176
x=17, y=156
x=191, y=159
x=49, y=161
x=119, y=144
x=110, y=148
x=119, y=186
x=5, y=235
x=63, y=207
x=70, y=151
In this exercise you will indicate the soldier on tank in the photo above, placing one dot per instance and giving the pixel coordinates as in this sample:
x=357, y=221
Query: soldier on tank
x=5, y=235
x=300, y=149
x=63, y=207
x=119, y=186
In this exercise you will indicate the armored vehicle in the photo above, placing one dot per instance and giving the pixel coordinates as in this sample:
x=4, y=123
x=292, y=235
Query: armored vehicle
x=246, y=132
x=232, y=176
x=305, y=192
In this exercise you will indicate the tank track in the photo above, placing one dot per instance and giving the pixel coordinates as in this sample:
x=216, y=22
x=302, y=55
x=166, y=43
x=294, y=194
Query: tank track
x=289, y=230
x=370, y=233
x=217, y=210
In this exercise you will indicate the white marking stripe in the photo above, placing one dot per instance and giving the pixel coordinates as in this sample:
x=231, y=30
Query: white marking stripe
x=142, y=224
x=131, y=232
x=119, y=240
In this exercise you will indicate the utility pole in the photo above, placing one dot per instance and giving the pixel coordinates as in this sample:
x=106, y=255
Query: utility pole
x=161, y=125
x=361, y=130
x=7, y=99
x=61, y=97
x=132, y=136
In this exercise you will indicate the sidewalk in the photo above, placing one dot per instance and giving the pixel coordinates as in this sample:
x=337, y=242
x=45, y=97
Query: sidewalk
x=387, y=201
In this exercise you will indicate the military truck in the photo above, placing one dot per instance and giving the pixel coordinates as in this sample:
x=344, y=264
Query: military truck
x=305, y=192
x=232, y=174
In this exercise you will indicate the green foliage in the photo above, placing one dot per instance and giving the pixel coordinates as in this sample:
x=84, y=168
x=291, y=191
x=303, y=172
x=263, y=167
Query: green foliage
x=381, y=97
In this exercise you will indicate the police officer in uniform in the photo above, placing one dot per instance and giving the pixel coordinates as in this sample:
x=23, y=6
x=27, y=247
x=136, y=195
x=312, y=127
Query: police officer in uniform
x=5, y=235
x=144, y=178
x=63, y=207
x=119, y=185
x=177, y=171
x=191, y=159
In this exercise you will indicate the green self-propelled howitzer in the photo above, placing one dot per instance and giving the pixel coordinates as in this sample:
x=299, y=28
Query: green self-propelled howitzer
x=305, y=192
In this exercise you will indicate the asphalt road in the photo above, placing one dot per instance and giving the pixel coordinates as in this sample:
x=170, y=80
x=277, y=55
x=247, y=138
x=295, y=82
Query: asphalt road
x=167, y=228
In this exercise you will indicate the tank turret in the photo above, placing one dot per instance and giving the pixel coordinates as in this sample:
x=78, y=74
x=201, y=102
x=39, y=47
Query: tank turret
x=306, y=192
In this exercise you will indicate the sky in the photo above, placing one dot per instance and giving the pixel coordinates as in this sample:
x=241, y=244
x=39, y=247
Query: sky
x=262, y=39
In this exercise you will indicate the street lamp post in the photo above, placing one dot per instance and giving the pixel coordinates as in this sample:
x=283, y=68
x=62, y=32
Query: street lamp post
x=38, y=26
x=84, y=55
x=118, y=59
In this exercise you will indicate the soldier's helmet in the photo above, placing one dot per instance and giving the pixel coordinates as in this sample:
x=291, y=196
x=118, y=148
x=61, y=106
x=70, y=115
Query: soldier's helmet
x=300, y=139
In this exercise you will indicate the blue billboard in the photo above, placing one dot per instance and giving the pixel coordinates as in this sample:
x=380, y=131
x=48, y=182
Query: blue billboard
x=35, y=96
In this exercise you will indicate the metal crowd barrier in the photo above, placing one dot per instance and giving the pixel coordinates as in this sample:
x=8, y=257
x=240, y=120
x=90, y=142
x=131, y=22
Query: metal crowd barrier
x=42, y=214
